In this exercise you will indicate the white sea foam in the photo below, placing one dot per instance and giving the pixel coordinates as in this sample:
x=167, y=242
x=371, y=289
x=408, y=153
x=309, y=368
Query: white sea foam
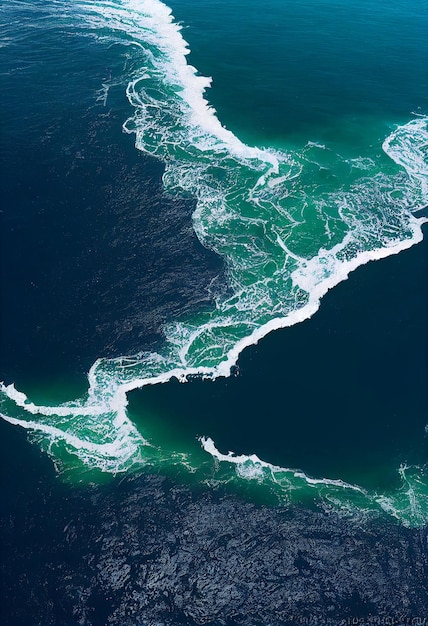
x=409, y=503
x=251, y=466
x=408, y=146
x=285, y=240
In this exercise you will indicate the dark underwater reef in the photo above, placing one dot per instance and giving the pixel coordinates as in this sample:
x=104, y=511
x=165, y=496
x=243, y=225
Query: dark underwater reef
x=145, y=551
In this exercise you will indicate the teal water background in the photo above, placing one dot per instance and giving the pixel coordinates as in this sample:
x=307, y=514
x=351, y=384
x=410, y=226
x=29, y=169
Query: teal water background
x=316, y=70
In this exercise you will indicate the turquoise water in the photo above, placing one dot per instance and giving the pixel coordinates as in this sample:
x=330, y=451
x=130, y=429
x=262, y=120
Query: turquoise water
x=305, y=160
x=316, y=70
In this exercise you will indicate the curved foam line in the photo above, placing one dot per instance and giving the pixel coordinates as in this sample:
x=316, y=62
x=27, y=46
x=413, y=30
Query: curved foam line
x=159, y=19
x=416, y=143
x=406, y=505
x=102, y=449
x=209, y=446
x=317, y=293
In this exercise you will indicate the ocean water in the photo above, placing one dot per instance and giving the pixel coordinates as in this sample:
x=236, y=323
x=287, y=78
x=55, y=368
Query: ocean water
x=158, y=225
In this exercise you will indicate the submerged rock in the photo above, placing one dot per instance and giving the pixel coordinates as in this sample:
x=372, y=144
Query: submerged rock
x=146, y=551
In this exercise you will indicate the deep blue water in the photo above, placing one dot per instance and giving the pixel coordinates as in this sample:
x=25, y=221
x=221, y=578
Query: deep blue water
x=89, y=267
